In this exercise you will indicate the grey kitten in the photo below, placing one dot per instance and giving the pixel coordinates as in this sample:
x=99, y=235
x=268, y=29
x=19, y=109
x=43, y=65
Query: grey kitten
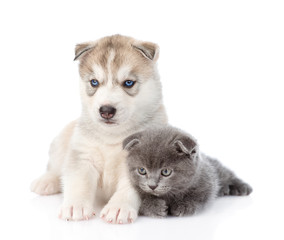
x=173, y=177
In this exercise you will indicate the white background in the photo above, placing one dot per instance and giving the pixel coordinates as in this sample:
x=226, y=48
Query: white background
x=222, y=68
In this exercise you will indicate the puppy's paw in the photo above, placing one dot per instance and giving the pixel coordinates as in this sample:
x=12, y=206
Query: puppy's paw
x=119, y=214
x=47, y=184
x=76, y=212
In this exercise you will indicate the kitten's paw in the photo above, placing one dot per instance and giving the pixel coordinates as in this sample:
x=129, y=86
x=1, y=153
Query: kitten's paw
x=177, y=210
x=119, y=214
x=224, y=191
x=240, y=188
x=180, y=210
x=156, y=208
x=76, y=212
x=47, y=184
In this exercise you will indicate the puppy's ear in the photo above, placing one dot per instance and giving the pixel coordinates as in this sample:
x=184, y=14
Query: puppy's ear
x=83, y=48
x=131, y=141
x=186, y=146
x=148, y=50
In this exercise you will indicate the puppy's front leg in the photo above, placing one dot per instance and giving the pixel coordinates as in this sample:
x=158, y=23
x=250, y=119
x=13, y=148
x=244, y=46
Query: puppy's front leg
x=79, y=188
x=124, y=204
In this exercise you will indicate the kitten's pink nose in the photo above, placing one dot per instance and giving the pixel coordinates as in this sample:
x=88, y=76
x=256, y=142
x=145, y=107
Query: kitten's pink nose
x=153, y=187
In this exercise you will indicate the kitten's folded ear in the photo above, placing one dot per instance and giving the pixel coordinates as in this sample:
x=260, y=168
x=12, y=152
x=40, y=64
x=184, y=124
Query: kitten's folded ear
x=186, y=146
x=83, y=48
x=131, y=141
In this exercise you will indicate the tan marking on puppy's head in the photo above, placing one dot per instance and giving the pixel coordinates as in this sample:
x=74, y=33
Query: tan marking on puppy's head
x=98, y=52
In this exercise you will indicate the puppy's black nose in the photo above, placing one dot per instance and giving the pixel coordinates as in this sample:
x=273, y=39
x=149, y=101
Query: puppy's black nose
x=107, y=112
x=153, y=187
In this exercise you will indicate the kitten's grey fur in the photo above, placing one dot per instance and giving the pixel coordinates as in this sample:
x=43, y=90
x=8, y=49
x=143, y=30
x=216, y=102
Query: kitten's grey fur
x=195, y=178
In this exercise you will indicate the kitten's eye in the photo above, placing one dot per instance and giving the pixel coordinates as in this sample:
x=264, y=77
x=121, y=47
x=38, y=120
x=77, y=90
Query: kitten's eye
x=94, y=83
x=128, y=83
x=142, y=171
x=166, y=172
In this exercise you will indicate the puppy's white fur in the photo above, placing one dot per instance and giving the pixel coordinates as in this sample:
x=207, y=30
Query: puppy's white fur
x=87, y=156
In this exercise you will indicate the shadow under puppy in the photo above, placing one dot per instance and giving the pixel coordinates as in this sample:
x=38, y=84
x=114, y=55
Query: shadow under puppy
x=173, y=177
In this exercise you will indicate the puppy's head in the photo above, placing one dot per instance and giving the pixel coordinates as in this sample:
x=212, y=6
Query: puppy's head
x=120, y=83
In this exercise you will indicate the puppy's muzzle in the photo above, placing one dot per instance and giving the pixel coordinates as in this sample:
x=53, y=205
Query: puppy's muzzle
x=107, y=112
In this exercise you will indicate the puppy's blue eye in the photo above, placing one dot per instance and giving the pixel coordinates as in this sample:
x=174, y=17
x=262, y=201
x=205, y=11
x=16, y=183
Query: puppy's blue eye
x=142, y=171
x=166, y=172
x=94, y=83
x=128, y=83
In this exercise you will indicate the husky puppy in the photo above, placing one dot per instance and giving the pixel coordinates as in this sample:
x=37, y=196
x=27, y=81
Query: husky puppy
x=120, y=94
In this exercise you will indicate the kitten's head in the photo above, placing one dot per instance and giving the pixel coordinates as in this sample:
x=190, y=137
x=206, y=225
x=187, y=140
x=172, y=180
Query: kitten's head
x=162, y=160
